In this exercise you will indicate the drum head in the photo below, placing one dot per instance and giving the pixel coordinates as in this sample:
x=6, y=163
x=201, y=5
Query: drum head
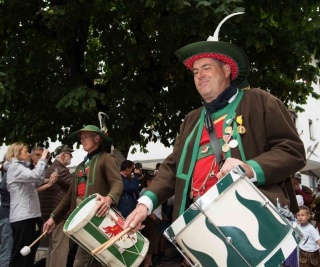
x=81, y=215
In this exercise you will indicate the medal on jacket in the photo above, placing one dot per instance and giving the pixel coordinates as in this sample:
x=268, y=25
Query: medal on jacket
x=225, y=147
x=228, y=130
x=233, y=143
x=241, y=129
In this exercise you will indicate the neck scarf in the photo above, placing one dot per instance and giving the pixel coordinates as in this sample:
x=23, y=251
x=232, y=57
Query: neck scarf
x=93, y=153
x=222, y=100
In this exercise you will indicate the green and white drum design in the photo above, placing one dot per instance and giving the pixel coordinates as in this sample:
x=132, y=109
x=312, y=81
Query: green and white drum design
x=90, y=231
x=233, y=224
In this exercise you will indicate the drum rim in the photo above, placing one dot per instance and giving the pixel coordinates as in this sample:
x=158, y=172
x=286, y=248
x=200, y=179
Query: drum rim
x=85, y=220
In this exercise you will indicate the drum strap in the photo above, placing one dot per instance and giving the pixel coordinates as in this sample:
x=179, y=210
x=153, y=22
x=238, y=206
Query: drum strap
x=213, y=139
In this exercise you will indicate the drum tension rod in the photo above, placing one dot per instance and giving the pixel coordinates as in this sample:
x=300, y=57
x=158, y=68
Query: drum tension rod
x=174, y=243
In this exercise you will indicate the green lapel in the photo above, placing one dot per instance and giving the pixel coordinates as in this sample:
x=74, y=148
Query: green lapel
x=186, y=148
x=184, y=172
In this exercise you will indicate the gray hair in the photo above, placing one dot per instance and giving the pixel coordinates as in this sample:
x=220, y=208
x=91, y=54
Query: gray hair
x=36, y=148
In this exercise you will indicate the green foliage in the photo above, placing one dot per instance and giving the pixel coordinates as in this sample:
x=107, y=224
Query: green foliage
x=61, y=62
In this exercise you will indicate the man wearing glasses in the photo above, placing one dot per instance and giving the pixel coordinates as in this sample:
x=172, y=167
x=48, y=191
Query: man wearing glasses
x=35, y=155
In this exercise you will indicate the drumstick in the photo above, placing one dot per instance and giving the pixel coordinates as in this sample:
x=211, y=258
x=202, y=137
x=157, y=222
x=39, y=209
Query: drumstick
x=27, y=249
x=35, y=241
x=110, y=242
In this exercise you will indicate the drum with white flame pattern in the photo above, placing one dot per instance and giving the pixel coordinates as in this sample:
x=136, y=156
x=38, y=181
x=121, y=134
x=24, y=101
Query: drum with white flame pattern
x=233, y=224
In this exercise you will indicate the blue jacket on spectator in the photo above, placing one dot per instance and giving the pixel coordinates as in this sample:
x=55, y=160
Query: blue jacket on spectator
x=130, y=194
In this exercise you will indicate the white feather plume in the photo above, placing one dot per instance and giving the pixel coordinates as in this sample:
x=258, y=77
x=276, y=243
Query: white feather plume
x=215, y=36
x=101, y=117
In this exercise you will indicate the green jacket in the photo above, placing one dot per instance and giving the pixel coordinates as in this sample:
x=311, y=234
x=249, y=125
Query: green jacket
x=270, y=145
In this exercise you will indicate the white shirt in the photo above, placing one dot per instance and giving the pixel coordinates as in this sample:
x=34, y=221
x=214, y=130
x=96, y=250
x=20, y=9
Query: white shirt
x=158, y=212
x=311, y=235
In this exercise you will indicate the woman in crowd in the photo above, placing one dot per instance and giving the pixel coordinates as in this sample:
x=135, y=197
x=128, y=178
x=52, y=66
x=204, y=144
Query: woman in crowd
x=24, y=202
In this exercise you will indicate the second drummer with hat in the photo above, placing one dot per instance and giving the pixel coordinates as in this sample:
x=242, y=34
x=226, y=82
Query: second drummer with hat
x=98, y=173
x=250, y=128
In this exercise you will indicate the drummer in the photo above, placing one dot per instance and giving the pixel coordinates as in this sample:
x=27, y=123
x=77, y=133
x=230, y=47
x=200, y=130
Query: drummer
x=253, y=129
x=98, y=173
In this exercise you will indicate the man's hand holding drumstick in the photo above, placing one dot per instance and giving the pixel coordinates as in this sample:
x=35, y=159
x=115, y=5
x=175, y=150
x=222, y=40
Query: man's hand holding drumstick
x=136, y=217
x=49, y=225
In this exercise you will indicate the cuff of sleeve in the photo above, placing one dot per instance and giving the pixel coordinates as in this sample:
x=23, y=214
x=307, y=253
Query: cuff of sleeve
x=253, y=179
x=258, y=172
x=147, y=202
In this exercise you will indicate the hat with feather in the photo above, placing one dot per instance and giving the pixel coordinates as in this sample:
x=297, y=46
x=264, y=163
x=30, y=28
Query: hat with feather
x=93, y=129
x=223, y=51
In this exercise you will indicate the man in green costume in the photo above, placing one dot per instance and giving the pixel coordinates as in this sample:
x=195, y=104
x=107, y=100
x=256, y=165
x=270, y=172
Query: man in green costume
x=98, y=173
x=254, y=130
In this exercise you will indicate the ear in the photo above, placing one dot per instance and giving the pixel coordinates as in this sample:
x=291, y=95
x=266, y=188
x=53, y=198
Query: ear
x=97, y=138
x=227, y=70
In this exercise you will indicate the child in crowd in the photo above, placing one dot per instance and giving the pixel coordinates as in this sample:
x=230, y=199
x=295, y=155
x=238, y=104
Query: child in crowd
x=309, y=247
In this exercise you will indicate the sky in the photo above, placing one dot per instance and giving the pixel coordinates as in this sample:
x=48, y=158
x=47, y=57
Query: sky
x=155, y=151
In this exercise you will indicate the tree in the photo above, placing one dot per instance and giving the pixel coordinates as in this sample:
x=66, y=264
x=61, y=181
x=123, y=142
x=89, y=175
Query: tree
x=63, y=61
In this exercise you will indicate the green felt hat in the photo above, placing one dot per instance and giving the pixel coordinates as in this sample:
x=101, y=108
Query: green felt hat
x=92, y=128
x=223, y=51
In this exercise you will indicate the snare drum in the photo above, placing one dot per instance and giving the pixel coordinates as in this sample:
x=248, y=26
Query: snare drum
x=90, y=231
x=233, y=224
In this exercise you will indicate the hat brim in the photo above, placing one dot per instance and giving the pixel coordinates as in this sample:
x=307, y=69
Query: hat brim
x=106, y=139
x=225, y=52
x=60, y=150
x=68, y=150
